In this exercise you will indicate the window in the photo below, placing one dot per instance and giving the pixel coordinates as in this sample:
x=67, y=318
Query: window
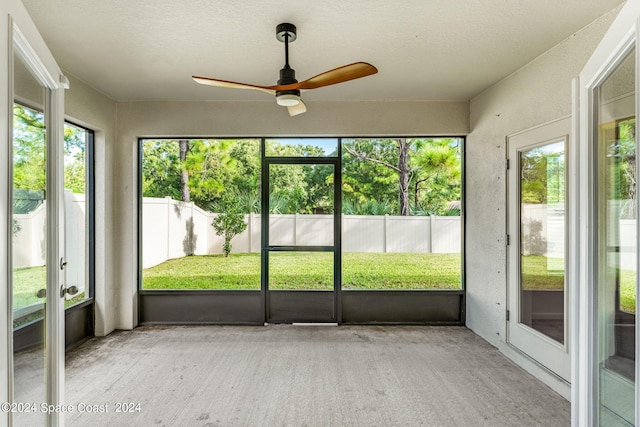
x=402, y=227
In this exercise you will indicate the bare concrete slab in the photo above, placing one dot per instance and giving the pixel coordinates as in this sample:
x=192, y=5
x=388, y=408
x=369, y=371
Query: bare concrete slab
x=303, y=376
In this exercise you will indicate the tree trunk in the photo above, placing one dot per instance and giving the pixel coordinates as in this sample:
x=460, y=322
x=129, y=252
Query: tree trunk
x=404, y=175
x=184, y=174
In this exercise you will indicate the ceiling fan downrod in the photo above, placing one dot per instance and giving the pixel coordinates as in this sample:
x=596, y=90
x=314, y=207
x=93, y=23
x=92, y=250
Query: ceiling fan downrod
x=286, y=33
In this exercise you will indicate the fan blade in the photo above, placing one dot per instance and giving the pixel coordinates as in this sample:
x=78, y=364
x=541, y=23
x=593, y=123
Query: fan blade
x=338, y=75
x=299, y=108
x=232, y=85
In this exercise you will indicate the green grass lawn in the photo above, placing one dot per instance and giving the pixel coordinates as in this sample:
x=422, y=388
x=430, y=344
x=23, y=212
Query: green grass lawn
x=26, y=283
x=536, y=275
x=308, y=270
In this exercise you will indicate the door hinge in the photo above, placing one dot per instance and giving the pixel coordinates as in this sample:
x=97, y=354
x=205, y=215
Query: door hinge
x=506, y=164
x=508, y=315
x=507, y=240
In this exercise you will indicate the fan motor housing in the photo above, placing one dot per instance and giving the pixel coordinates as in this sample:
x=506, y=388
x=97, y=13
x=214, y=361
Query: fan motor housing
x=287, y=76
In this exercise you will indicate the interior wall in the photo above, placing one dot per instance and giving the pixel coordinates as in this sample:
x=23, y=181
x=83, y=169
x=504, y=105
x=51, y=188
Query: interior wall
x=536, y=94
x=247, y=119
x=93, y=110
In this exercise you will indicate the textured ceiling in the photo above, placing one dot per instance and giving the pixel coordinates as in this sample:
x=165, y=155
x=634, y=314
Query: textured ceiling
x=424, y=49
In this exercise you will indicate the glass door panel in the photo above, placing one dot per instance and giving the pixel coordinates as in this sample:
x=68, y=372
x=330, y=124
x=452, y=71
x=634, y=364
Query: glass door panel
x=538, y=311
x=299, y=237
x=617, y=244
x=542, y=239
x=301, y=147
x=29, y=243
x=301, y=204
x=77, y=204
x=309, y=271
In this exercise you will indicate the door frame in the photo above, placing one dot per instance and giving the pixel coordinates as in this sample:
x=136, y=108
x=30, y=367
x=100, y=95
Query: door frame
x=616, y=43
x=301, y=298
x=556, y=357
x=24, y=39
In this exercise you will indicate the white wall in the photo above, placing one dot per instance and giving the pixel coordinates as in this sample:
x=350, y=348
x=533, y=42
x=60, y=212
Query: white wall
x=537, y=93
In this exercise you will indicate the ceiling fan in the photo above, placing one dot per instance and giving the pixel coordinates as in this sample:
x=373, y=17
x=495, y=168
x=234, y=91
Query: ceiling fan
x=287, y=91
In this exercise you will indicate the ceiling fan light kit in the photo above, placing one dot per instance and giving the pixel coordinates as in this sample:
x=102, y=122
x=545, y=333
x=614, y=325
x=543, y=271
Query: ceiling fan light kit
x=287, y=91
x=288, y=99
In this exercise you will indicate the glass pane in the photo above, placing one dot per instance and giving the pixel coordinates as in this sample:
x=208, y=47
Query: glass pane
x=301, y=271
x=301, y=205
x=29, y=242
x=542, y=239
x=201, y=214
x=401, y=201
x=76, y=209
x=302, y=147
x=617, y=248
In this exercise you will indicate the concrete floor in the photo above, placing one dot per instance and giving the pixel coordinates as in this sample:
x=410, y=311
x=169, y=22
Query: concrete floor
x=304, y=376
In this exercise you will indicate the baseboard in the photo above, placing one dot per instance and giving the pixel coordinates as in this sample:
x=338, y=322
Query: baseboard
x=553, y=381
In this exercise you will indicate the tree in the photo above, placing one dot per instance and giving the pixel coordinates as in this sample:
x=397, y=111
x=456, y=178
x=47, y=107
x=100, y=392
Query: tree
x=211, y=170
x=437, y=180
x=402, y=165
x=623, y=152
x=161, y=169
x=542, y=176
x=75, y=146
x=184, y=148
x=29, y=164
x=229, y=222
x=389, y=171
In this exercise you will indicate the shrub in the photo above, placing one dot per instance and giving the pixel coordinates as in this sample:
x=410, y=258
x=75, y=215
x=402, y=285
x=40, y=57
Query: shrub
x=229, y=222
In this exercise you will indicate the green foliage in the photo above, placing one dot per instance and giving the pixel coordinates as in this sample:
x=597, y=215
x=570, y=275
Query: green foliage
x=29, y=158
x=542, y=175
x=249, y=201
x=29, y=171
x=366, y=180
x=369, y=207
x=229, y=222
x=622, y=166
x=160, y=169
x=216, y=167
x=434, y=168
x=437, y=180
x=75, y=146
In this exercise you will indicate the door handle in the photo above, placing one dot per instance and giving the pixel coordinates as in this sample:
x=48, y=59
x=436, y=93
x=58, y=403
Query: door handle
x=71, y=290
x=42, y=293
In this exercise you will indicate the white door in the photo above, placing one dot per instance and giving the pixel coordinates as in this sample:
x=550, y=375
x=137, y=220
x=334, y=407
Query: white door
x=36, y=243
x=606, y=361
x=538, y=318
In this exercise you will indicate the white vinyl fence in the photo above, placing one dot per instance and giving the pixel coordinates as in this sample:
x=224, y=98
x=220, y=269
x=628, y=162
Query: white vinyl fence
x=29, y=242
x=174, y=229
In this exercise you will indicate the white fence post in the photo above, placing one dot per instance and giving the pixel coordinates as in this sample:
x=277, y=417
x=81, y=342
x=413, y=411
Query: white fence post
x=250, y=230
x=431, y=220
x=168, y=200
x=386, y=237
